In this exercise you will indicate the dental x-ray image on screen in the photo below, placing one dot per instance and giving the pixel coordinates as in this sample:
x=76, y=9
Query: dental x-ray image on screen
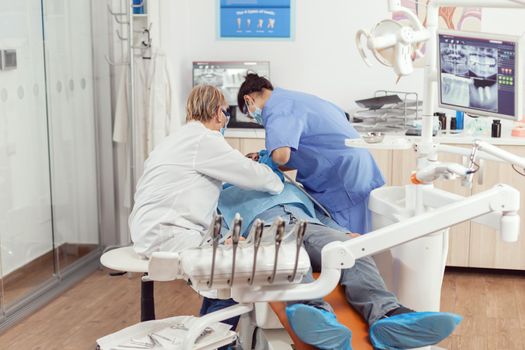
x=228, y=77
x=477, y=73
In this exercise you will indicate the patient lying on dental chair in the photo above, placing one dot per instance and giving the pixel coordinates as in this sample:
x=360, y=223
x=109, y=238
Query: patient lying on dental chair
x=392, y=326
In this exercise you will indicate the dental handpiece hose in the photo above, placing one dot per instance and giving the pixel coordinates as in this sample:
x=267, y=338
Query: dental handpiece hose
x=319, y=205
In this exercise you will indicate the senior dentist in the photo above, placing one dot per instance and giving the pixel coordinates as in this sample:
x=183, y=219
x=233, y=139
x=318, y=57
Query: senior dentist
x=178, y=193
x=307, y=133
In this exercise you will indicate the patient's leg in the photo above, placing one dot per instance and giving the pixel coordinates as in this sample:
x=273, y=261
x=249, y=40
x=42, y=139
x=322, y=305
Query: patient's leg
x=392, y=325
x=364, y=287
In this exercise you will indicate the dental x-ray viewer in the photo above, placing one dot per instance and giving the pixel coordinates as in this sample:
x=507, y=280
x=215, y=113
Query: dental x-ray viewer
x=178, y=193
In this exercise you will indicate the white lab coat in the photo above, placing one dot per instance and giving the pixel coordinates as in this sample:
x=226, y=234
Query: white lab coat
x=179, y=191
x=153, y=101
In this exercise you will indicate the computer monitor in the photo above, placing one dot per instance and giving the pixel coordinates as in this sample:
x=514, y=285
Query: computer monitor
x=480, y=74
x=228, y=76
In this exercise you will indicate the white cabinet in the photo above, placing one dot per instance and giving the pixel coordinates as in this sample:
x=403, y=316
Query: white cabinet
x=471, y=244
x=486, y=248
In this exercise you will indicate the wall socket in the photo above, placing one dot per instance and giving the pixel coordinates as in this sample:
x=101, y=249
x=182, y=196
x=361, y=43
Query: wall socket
x=8, y=59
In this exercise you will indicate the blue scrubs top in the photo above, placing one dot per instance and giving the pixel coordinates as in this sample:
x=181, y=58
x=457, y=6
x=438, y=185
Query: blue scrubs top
x=339, y=177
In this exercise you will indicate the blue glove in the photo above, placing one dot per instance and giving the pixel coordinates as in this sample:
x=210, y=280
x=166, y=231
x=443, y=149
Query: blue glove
x=266, y=158
x=413, y=330
x=318, y=327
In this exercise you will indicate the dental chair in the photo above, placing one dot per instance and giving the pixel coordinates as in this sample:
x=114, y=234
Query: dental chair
x=255, y=273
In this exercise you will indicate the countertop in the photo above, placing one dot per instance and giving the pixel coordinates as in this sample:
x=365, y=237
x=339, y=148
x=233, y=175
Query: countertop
x=458, y=139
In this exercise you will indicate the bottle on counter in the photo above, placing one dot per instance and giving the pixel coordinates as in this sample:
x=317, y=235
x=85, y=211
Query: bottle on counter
x=460, y=117
x=453, y=125
x=442, y=117
x=496, y=128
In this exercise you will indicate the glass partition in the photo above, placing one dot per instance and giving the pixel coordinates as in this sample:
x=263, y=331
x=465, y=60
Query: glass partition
x=26, y=236
x=68, y=52
x=49, y=222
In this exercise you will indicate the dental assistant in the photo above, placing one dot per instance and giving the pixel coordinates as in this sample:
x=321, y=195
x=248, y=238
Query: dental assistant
x=178, y=193
x=307, y=133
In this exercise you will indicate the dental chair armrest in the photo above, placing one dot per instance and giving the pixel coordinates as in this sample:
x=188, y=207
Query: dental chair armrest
x=164, y=266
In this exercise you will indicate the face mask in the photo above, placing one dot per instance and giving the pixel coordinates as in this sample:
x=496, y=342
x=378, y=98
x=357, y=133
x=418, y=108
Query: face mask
x=257, y=115
x=223, y=129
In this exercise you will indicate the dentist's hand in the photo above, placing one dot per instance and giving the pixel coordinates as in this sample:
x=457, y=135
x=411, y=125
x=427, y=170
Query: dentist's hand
x=266, y=158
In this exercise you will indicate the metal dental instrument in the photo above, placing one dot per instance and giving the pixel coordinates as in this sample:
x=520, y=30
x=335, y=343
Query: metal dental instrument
x=257, y=231
x=300, y=231
x=154, y=341
x=144, y=345
x=215, y=238
x=293, y=182
x=212, y=229
x=161, y=337
x=236, y=235
x=180, y=326
x=205, y=332
x=279, y=234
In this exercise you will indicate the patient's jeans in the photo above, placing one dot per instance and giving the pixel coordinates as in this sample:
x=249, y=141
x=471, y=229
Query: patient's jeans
x=364, y=288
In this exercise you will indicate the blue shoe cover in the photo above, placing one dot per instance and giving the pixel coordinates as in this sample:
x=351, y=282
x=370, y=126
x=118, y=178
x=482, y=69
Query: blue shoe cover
x=413, y=330
x=318, y=327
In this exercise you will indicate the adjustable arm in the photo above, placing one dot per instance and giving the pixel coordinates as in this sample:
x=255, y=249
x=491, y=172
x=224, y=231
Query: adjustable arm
x=341, y=255
x=501, y=198
x=500, y=154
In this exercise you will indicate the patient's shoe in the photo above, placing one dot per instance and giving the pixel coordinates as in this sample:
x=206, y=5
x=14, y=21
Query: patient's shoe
x=413, y=329
x=318, y=327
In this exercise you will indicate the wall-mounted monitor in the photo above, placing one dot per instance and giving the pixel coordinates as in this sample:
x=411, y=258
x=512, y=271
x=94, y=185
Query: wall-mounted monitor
x=480, y=74
x=228, y=76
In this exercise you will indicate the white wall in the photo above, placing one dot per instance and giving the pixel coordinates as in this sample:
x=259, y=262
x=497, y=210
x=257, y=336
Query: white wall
x=511, y=22
x=321, y=59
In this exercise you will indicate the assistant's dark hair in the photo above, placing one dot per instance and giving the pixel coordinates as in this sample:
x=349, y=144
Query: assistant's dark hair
x=252, y=83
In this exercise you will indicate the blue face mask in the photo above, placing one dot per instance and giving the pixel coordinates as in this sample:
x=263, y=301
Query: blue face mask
x=227, y=115
x=257, y=115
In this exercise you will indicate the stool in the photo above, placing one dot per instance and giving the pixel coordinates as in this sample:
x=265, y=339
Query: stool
x=125, y=259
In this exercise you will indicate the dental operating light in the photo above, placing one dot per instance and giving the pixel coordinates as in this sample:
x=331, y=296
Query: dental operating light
x=394, y=43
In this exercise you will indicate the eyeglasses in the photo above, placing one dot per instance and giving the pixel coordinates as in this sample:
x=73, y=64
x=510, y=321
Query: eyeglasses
x=226, y=112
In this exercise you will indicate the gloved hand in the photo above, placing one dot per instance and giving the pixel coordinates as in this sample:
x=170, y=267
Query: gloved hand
x=266, y=158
